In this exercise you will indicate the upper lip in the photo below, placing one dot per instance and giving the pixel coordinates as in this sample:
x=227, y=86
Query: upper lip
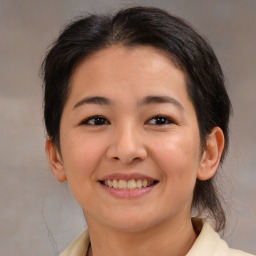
x=126, y=176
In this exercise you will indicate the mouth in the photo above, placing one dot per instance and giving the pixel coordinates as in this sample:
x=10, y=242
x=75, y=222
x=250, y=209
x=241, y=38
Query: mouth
x=130, y=184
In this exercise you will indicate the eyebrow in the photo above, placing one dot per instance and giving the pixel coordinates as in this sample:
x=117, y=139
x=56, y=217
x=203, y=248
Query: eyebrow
x=152, y=99
x=160, y=99
x=93, y=100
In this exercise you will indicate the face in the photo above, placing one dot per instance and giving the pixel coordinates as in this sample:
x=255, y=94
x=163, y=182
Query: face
x=129, y=139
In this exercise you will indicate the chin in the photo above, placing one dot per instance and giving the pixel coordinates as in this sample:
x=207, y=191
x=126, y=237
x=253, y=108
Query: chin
x=131, y=222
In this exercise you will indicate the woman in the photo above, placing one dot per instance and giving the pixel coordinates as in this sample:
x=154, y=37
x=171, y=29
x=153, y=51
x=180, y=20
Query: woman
x=137, y=117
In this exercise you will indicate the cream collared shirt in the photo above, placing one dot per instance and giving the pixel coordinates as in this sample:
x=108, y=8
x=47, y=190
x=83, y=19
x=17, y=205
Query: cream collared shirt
x=208, y=243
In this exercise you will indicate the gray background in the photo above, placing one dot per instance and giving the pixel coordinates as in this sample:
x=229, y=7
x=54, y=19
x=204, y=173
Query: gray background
x=38, y=215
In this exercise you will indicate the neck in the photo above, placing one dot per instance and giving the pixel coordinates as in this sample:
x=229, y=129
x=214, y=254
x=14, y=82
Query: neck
x=168, y=238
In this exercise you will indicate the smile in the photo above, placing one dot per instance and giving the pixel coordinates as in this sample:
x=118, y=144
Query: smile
x=131, y=184
x=128, y=186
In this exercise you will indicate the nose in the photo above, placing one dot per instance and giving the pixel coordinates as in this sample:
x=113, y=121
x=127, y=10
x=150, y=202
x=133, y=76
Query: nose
x=127, y=145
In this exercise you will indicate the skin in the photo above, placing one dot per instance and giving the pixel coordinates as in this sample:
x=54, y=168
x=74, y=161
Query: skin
x=131, y=140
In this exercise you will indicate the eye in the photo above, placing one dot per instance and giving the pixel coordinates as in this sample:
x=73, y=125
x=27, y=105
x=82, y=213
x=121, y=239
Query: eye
x=160, y=120
x=95, y=120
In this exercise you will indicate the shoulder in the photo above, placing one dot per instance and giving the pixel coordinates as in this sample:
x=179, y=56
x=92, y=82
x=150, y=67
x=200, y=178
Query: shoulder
x=234, y=252
x=209, y=243
x=79, y=246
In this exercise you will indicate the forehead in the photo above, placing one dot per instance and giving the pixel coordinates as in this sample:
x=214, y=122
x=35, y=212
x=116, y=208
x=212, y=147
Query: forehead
x=126, y=66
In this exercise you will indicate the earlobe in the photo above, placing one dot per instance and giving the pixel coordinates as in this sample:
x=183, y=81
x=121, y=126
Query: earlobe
x=212, y=154
x=55, y=161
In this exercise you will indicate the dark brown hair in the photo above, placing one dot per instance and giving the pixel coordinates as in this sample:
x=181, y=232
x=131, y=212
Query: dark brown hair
x=153, y=27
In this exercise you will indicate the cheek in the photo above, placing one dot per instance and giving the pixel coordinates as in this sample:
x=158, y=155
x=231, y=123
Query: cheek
x=81, y=159
x=178, y=158
x=81, y=156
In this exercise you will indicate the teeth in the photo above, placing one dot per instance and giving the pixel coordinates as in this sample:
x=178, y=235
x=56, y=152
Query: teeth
x=122, y=184
x=115, y=184
x=128, y=185
x=144, y=183
x=109, y=183
x=132, y=184
x=139, y=183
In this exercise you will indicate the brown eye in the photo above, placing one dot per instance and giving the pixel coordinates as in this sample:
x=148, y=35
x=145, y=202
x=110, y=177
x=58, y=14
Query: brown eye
x=160, y=120
x=95, y=120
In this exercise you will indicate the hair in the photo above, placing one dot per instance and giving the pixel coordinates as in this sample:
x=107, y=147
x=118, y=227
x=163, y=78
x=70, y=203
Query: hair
x=145, y=26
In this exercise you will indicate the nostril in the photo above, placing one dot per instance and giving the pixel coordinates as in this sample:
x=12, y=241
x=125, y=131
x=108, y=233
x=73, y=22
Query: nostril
x=126, y=151
x=126, y=159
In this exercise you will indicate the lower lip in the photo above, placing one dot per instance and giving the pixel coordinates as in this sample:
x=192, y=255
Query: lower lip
x=119, y=193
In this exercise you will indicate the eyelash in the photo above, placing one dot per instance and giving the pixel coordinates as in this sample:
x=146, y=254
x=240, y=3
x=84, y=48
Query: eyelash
x=98, y=121
x=101, y=120
x=164, y=120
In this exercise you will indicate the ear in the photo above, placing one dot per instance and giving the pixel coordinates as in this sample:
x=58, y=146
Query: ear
x=55, y=161
x=212, y=154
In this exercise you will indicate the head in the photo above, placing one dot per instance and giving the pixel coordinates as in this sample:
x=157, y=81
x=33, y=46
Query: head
x=135, y=27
